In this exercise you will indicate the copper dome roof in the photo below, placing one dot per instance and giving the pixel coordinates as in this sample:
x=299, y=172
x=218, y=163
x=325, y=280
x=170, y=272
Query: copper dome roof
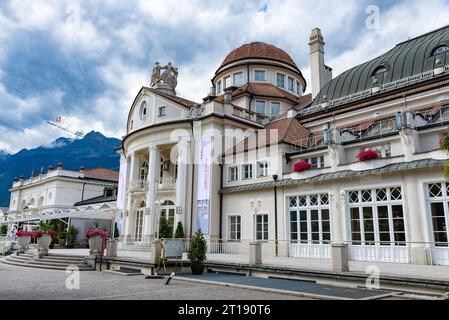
x=259, y=50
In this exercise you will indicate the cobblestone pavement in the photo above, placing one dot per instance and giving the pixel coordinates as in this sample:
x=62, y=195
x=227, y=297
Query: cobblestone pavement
x=28, y=283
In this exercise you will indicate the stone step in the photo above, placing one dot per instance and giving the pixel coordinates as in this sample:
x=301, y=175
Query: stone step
x=41, y=266
x=53, y=257
x=51, y=254
x=44, y=261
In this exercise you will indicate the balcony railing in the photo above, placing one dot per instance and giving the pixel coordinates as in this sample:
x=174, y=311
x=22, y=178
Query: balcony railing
x=309, y=144
x=166, y=184
x=139, y=186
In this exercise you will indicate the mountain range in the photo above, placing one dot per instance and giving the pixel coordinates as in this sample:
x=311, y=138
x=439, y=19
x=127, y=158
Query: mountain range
x=92, y=151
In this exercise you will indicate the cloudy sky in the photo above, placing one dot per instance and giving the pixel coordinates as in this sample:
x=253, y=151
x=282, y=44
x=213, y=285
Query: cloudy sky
x=86, y=60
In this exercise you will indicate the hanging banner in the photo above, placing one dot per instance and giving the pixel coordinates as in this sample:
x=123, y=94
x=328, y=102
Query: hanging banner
x=121, y=183
x=203, y=189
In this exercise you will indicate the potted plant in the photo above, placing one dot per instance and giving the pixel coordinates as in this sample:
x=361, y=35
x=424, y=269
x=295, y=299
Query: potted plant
x=71, y=235
x=62, y=238
x=179, y=232
x=197, y=253
x=165, y=230
x=302, y=166
x=44, y=239
x=96, y=237
x=367, y=155
x=23, y=239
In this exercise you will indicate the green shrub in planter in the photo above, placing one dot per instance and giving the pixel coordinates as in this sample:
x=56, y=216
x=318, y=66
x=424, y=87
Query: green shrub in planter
x=179, y=232
x=197, y=252
x=71, y=236
x=3, y=229
x=165, y=230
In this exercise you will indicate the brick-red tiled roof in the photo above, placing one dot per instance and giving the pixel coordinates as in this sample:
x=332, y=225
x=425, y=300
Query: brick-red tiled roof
x=101, y=174
x=182, y=101
x=258, y=50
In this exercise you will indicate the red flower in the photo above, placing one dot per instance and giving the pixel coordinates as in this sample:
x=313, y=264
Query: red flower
x=96, y=233
x=52, y=233
x=368, y=155
x=302, y=166
x=37, y=234
x=22, y=233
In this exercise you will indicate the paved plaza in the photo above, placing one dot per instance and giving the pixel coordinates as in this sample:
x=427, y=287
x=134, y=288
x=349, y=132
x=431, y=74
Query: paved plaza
x=27, y=283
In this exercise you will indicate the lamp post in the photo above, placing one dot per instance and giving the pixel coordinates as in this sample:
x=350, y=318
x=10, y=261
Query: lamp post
x=275, y=179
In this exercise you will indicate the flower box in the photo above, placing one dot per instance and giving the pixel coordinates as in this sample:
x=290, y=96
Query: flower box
x=23, y=240
x=302, y=166
x=368, y=155
x=96, y=241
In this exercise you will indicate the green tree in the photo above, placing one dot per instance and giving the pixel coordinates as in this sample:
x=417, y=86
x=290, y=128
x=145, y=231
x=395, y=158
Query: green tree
x=165, y=230
x=179, y=232
x=444, y=145
x=198, y=247
x=3, y=229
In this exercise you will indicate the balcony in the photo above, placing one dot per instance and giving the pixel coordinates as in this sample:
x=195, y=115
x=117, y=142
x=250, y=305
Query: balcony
x=138, y=186
x=168, y=184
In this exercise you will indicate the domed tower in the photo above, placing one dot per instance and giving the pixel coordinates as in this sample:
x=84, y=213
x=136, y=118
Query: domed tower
x=260, y=77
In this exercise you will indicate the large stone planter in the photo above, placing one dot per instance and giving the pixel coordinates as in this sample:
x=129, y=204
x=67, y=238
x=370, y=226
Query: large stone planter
x=95, y=244
x=23, y=243
x=43, y=244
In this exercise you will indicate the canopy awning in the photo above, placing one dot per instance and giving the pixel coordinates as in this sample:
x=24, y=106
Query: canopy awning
x=105, y=210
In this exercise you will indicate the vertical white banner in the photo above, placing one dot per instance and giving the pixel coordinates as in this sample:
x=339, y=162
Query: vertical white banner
x=203, y=189
x=121, y=183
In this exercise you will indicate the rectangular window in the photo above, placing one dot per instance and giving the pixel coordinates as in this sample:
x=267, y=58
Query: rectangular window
x=234, y=228
x=238, y=79
x=162, y=112
x=298, y=88
x=377, y=217
x=262, y=169
x=280, y=80
x=233, y=174
x=227, y=82
x=316, y=162
x=262, y=227
x=247, y=171
x=438, y=195
x=384, y=151
x=310, y=218
x=259, y=75
x=260, y=107
x=275, y=109
x=218, y=87
x=291, y=83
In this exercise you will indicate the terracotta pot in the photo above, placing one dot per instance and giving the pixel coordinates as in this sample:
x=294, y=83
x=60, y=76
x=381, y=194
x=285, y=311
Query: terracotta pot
x=43, y=244
x=95, y=244
x=197, y=268
x=23, y=243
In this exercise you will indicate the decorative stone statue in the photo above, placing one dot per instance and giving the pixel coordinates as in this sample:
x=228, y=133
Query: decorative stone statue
x=170, y=75
x=156, y=74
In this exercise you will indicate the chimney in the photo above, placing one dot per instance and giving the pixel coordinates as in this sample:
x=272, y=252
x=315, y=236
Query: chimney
x=321, y=74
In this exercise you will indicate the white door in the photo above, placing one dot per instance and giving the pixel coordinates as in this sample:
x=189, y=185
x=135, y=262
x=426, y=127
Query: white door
x=139, y=225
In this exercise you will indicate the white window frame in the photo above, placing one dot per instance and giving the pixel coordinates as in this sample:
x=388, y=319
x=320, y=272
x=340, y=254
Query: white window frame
x=384, y=150
x=244, y=166
x=231, y=177
x=305, y=204
x=264, y=106
x=144, y=106
x=298, y=88
x=235, y=83
x=292, y=82
x=260, y=72
x=319, y=162
x=374, y=204
x=227, y=82
x=277, y=80
x=444, y=198
x=218, y=87
x=271, y=108
x=265, y=224
x=162, y=114
x=264, y=169
x=237, y=232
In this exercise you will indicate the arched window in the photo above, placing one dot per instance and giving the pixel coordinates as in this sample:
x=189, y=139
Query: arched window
x=379, y=74
x=143, y=110
x=142, y=204
x=40, y=203
x=143, y=171
x=23, y=204
x=440, y=50
x=32, y=202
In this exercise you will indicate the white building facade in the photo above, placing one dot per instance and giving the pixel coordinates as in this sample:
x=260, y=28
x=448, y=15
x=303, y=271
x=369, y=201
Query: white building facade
x=229, y=166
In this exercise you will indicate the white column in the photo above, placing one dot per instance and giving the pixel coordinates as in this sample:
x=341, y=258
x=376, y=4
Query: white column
x=132, y=178
x=415, y=217
x=152, y=180
x=183, y=159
